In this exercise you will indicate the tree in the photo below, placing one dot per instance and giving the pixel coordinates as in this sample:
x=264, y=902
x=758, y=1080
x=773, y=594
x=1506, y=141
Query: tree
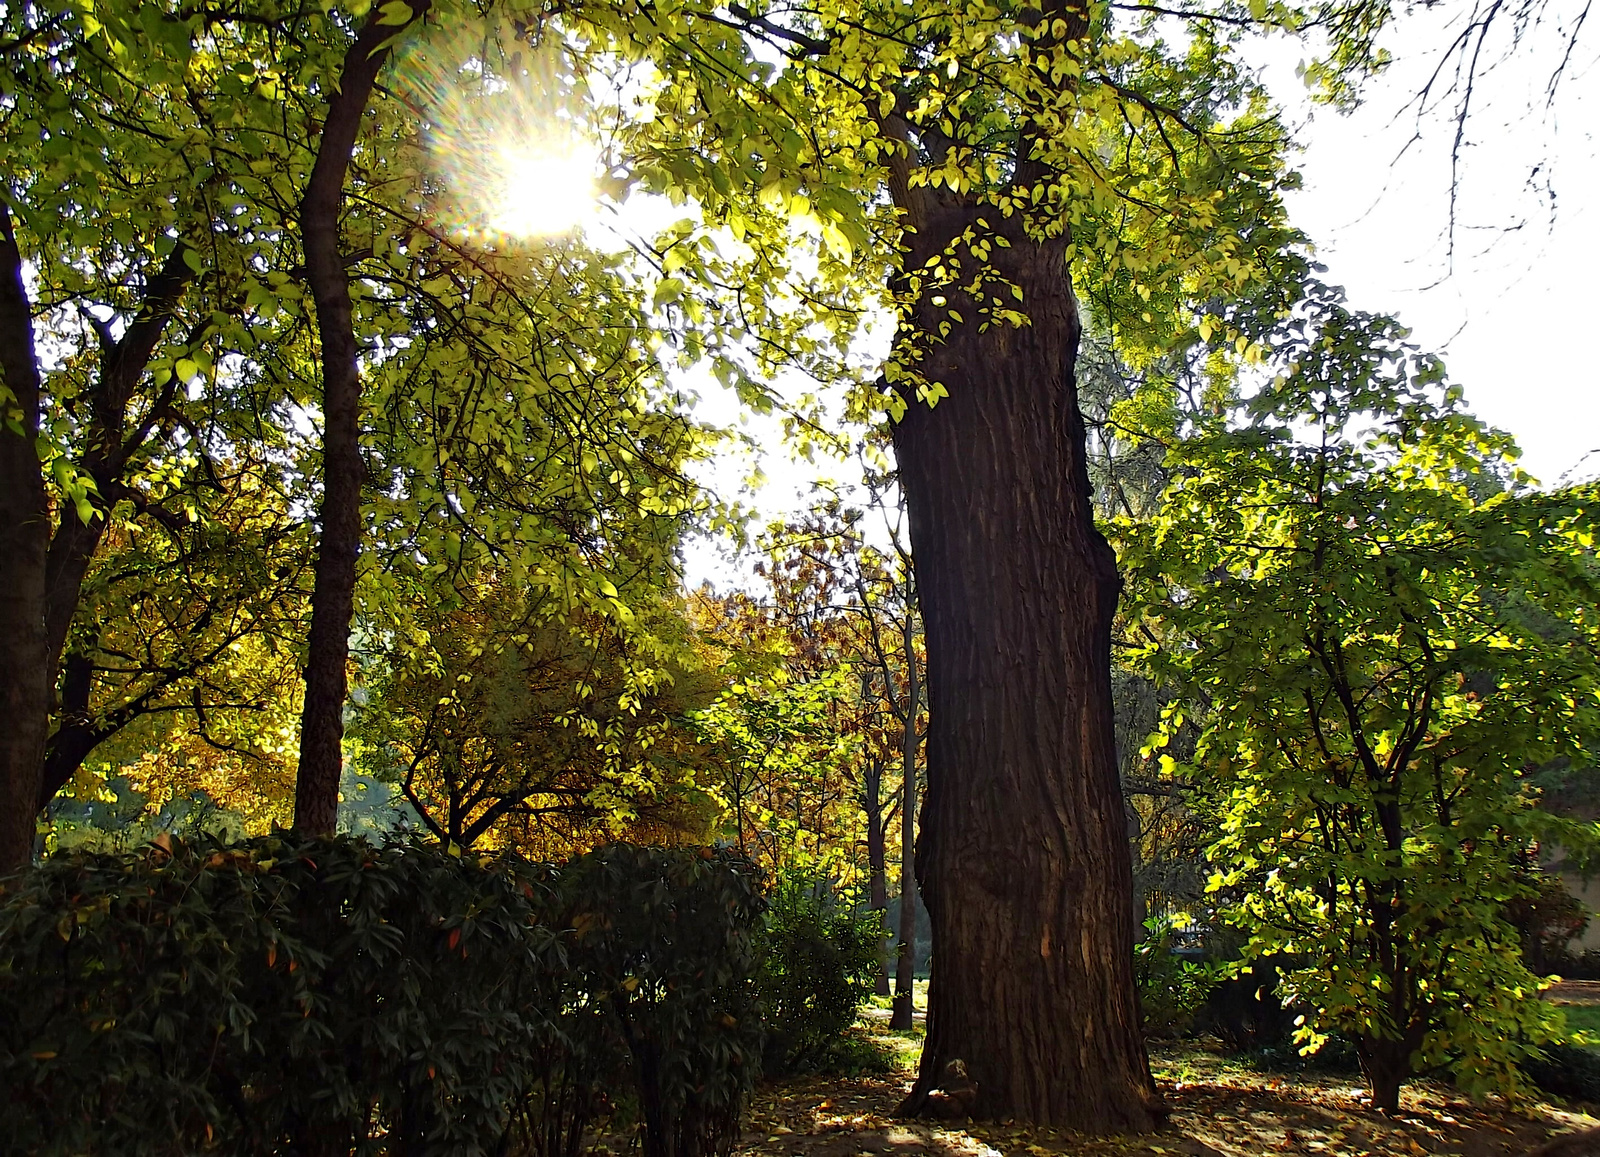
x=1017, y=145
x=813, y=600
x=830, y=582
x=517, y=413
x=990, y=133
x=782, y=763
x=187, y=627
x=1391, y=631
x=316, y=804
x=25, y=539
x=504, y=721
x=139, y=198
x=886, y=603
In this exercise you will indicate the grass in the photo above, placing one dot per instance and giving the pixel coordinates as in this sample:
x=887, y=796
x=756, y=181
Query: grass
x=919, y=997
x=1584, y=1021
x=901, y=1049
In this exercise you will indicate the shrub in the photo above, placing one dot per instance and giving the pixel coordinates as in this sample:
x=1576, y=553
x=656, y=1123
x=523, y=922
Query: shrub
x=1172, y=985
x=818, y=960
x=1246, y=1009
x=1584, y=965
x=329, y=996
x=1566, y=1071
x=665, y=946
x=1547, y=918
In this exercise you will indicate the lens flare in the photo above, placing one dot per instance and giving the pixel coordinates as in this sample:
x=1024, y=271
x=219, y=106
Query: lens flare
x=505, y=139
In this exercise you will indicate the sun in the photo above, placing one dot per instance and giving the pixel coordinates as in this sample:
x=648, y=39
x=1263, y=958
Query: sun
x=507, y=135
x=538, y=185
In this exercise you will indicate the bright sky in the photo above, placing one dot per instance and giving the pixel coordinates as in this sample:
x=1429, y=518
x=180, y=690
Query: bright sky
x=1511, y=313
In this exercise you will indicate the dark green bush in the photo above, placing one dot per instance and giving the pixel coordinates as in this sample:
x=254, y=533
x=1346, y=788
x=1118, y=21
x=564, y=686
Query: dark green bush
x=1172, y=986
x=1336, y=1056
x=332, y=997
x=818, y=960
x=1566, y=1071
x=666, y=945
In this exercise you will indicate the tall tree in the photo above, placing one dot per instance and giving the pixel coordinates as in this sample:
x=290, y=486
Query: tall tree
x=1017, y=588
x=123, y=148
x=889, y=622
x=830, y=582
x=316, y=801
x=1009, y=148
x=994, y=170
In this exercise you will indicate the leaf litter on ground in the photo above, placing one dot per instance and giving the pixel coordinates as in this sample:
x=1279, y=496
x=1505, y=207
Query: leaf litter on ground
x=1218, y=1109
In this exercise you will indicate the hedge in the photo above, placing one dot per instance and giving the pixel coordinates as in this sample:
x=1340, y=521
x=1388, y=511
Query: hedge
x=323, y=997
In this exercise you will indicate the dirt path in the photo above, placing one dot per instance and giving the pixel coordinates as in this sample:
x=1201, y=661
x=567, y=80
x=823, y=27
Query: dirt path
x=1574, y=992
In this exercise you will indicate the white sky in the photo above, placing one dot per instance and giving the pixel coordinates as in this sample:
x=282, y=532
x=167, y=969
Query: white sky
x=1512, y=310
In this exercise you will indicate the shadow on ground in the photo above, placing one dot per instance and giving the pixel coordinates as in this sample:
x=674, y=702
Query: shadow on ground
x=1218, y=1110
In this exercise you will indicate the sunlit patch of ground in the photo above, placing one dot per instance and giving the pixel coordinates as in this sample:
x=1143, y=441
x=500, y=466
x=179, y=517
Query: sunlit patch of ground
x=1219, y=1109
x=1580, y=999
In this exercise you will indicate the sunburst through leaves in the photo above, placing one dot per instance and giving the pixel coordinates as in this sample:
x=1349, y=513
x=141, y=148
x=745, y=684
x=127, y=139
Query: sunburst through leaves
x=505, y=135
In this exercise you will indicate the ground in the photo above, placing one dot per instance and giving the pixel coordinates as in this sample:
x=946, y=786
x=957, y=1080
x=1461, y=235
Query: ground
x=1581, y=1000
x=1219, y=1109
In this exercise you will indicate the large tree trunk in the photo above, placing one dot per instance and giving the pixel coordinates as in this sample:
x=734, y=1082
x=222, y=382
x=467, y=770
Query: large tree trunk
x=316, y=796
x=1023, y=859
x=24, y=543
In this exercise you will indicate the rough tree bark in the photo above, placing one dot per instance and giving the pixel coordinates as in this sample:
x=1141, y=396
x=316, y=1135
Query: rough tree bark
x=316, y=797
x=24, y=547
x=1023, y=859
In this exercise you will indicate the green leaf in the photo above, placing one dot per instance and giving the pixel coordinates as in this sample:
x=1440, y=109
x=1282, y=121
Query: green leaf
x=395, y=13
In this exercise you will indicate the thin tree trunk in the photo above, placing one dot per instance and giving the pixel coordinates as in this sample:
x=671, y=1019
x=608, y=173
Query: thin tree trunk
x=903, y=1015
x=1386, y=1064
x=316, y=797
x=877, y=865
x=1023, y=857
x=24, y=546
x=75, y=735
